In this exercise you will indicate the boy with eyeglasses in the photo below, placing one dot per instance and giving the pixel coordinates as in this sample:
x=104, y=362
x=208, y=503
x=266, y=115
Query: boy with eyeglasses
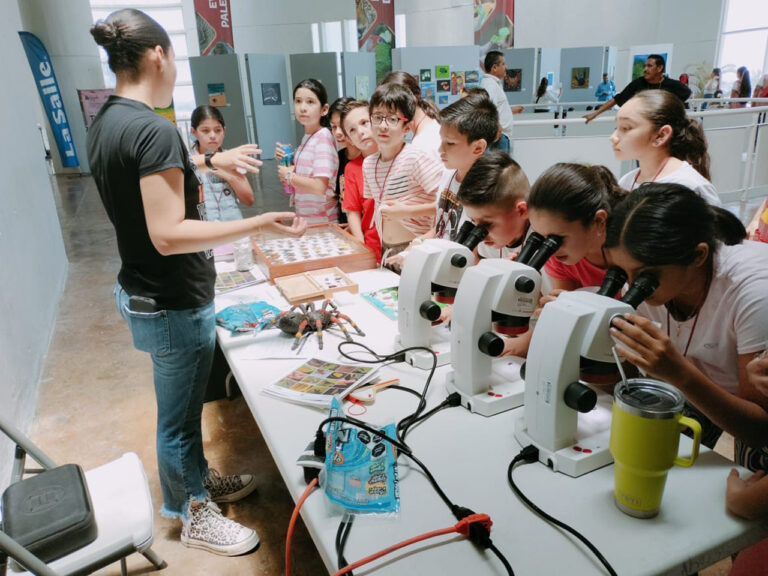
x=402, y=180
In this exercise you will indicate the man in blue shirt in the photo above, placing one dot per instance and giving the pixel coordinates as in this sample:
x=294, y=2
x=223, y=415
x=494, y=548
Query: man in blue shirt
x=605, y=90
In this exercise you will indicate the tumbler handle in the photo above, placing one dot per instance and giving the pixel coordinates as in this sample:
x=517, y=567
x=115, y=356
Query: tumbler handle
x=695, y=427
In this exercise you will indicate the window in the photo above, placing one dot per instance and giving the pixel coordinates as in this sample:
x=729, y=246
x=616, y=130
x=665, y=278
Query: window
x=168, y=14
x=744, y=40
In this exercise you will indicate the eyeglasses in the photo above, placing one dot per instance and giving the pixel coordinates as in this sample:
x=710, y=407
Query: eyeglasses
x=392, y=121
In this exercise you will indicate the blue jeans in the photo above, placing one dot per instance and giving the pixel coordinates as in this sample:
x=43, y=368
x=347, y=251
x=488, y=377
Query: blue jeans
x=181, y=343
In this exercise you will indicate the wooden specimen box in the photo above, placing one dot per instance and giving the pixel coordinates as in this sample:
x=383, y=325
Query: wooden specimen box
x=322, y=246
x=314, y=285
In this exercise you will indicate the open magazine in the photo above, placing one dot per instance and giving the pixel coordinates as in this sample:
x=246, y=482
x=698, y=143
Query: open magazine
x=317, y=381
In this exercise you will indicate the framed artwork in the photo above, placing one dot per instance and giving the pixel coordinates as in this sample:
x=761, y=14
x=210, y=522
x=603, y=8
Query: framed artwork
x=425, y=75
x=428, y=91
x=513, y=80
x=444, y=85
x=270, y=94
x=579, y=78
x=443, y=71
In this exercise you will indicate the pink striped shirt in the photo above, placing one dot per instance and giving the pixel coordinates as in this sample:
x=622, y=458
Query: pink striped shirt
x=316, y=157
x=413, y=177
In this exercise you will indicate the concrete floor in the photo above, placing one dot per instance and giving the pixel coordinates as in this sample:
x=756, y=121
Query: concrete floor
x=96, y=401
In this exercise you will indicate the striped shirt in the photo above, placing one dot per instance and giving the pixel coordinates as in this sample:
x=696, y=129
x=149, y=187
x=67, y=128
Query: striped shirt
x=316, y=157
x=412, y=177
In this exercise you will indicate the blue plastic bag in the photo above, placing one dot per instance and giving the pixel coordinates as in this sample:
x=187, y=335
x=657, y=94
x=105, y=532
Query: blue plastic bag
x=247, y=317
x=360, y=472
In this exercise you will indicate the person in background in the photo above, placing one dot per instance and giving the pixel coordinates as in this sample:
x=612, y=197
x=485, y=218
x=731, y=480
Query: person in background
x=545, y=97
x=402, y=179
x=653, y=78
x=316, y=161
x=684, y=79
x=347, y=151
x=356, y=122
x=653, y=128
x=712, y=86
x=742, y=88
x=222, y=189
x=605, y=90
x=425, y=125
x=495, y=71
x=151, y=191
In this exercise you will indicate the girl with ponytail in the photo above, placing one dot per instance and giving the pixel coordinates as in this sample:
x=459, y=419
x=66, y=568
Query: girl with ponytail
x=708, y=318
x=572, y=201
x=653, y=128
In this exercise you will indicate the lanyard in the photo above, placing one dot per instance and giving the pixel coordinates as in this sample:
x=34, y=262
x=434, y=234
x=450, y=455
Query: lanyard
x=663, y=165
x=301, y=148
x=382, y=187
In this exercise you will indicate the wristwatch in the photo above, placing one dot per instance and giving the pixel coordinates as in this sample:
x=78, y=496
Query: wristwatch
x=208, y=156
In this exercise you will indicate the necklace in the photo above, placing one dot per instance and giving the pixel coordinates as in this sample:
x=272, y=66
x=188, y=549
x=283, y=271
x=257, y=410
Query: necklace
x=694, y=314
x=382, y=187
x=301, y=148
x=663, y=165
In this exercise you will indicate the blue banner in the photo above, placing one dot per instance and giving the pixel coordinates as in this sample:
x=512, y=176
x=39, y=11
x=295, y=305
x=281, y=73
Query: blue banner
x=42, y=70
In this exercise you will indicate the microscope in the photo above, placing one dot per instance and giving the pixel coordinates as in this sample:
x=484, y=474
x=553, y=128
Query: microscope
x=573, y=327
x=432, y=269
x=495, y=297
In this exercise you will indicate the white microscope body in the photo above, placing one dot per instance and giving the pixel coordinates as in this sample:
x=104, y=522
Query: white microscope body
x=576, y=324
x=433, y=266
x=495, y=293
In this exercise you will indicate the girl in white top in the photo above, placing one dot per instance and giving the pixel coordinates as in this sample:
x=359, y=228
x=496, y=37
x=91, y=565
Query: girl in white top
x=546, y=96
x=653, y=128
x=708, y=317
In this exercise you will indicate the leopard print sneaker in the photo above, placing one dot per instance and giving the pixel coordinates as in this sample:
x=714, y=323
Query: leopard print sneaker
x=207, y=529
x=223, y=489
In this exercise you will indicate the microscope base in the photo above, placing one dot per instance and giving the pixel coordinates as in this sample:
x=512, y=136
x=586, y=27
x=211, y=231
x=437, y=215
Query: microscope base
x=585, y=455
x=502, y=395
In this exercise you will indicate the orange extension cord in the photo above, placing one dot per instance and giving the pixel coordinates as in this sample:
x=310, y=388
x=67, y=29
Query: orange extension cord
x=462, y=527
x=292, y=525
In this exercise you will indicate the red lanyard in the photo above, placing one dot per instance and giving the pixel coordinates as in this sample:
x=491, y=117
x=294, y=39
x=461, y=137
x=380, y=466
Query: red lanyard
x=383, y=187
x=654, y=178
x=690, y=336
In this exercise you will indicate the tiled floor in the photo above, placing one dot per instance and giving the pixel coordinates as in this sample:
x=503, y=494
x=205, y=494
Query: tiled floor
x=96, y=400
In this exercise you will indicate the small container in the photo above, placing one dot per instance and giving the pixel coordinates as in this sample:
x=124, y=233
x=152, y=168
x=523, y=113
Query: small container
x=243, y=253
x=287, y=161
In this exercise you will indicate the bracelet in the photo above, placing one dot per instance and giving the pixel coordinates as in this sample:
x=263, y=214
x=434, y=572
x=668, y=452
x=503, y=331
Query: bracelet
x=208, y=156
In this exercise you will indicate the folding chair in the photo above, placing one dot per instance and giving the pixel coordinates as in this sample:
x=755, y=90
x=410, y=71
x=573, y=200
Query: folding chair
x=122, y=508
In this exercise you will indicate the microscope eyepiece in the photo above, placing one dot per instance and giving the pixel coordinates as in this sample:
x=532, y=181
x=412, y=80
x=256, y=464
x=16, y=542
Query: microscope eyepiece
x=642, y=287
x=475, y=236
x=529, y=248
x=464, y=231
x=549, y=246
x=614, y=279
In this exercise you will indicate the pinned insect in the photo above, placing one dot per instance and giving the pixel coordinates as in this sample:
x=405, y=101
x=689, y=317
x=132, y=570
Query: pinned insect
x=302, y=319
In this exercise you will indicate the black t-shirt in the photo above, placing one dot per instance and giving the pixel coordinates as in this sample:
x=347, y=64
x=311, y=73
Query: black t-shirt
x=340, y=184
x=126, y=142
x=639, y=84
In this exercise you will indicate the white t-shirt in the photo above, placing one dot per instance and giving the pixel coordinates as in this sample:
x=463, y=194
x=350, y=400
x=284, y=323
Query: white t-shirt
x=492, y=85
x=733, y=319
x=428, y=139
x=549, y=97
x=685, y=175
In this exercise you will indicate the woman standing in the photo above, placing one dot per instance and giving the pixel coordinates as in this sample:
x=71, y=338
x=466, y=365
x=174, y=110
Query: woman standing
x=152, y=194
x=742, y=88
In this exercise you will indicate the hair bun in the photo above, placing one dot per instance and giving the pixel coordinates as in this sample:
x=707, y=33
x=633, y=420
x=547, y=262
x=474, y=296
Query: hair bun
x=105, y=33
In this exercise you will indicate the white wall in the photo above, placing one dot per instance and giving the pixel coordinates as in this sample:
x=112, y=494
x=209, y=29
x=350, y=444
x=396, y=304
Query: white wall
x=34, y=265
x=437, y=22
x=75, y=59
x=693, y=26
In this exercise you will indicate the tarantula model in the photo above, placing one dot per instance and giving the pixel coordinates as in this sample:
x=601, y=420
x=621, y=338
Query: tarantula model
x=305, y=317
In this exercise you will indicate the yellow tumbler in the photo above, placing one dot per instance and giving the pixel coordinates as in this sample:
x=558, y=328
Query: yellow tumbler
x=645, y=435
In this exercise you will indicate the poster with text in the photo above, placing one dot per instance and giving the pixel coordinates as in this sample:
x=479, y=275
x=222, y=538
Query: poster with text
x=91, y=102
x=376, y=32
x=214, y=27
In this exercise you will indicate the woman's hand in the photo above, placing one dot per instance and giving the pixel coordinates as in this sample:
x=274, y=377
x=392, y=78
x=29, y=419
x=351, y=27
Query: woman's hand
x=274, y=220
x=757, y=373
x=550, y=297
x=242, y=157
x=650, y=349
x=282, y=172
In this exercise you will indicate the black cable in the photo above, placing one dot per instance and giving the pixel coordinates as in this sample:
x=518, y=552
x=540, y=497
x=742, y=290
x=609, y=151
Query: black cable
x=502, y=559
x=341, y=539
x=531, y=454
x=404, y=389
